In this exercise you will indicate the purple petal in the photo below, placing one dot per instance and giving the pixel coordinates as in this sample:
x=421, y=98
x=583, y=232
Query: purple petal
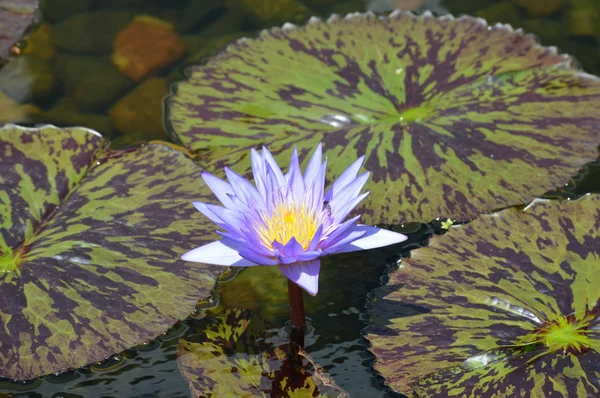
x=314, y=165
x=291, y=249
x=315, y=190
x=281, y=259
x=373, y=238
x=340, y=232
x=257, y=258
x=344, y=179
x=274, y=191
x=229, y=218
x=305, y=274
x=309, y=255
x=305, y=256
x=349, y=192
x=220, y=188
x=340, y=213
x=346, y=240
x=268, y=159
x=316, y=239
x=294, y=178
x=243, y=189
x=254, y=243
x=234, y=237
x=203, y=208
x=259, y=172
x=238, y=205
x=293, y=252
x=217, y=253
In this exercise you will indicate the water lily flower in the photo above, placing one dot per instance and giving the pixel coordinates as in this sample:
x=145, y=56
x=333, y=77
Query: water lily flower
x=287, y=220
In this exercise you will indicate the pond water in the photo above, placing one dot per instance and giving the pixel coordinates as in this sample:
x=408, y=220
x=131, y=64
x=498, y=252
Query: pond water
x=63, y=76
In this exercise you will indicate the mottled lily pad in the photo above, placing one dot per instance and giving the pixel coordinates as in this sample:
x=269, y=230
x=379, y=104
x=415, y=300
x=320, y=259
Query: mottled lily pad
x=508, y=305
x=233, y=359
x=90, y=241
x=15, y=18
x=456, y=118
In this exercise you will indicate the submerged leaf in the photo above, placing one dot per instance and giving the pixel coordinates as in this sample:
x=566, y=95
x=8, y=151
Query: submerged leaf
x=233, y=359
x=89, y=247
x=508, y=305
x=15, y=18
x=456, y=118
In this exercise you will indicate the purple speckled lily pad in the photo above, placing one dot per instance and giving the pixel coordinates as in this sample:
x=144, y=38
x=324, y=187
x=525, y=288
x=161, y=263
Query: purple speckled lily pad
x=90, y=241
x=508, y=305
x=456, y=117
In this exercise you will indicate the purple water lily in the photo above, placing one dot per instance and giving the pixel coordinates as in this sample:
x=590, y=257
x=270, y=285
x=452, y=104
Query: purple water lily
x=287, y=220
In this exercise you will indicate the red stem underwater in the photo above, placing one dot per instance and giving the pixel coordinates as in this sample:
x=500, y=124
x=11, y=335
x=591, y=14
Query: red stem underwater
x=295, y=293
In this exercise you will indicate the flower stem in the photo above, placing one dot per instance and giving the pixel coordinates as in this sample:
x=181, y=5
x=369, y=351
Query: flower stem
x=295, y=293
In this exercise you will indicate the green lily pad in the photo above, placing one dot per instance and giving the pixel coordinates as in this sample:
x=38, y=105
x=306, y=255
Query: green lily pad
x=455, y=118
x=15, y=18
x=233, y=358
x=90, y=241
x=508, y=305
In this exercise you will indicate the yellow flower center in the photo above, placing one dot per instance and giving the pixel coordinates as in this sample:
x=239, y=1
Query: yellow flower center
x=290, y=221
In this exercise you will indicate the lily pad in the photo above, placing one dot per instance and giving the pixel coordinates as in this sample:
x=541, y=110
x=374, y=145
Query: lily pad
x=90, y=241
x=456, y=118
x=508, y=305
x=232, y=358
x=15, y=18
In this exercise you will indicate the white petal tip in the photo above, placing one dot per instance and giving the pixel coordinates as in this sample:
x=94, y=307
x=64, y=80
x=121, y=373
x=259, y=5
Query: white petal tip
x=216, y=253
x=374, y=238
x=310, y=288
x=193, y=257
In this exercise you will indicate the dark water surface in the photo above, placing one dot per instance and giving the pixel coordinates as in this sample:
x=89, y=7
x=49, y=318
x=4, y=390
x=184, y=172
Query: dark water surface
x=64, y=76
